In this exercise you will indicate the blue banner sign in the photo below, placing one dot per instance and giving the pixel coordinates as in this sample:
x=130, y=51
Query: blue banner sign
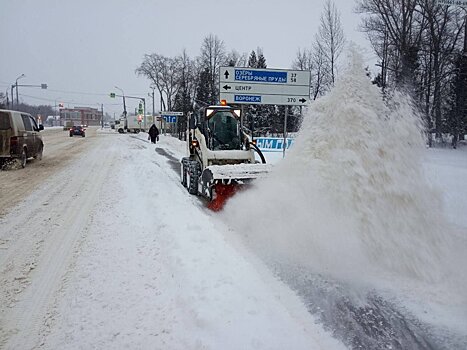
x=272, y=144
x=248, y=98
x=170, y=118
x=261, y=76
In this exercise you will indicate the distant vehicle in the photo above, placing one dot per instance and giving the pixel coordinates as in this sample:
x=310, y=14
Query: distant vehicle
x=77, y=131
x=19, y=137
x=106, y=125
x=68, y=124
x=129, y=124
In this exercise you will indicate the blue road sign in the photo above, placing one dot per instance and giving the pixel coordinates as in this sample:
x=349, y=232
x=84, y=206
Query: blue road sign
x=248, y=98
x=272, y=144
x=261, y=76
x=170, y=118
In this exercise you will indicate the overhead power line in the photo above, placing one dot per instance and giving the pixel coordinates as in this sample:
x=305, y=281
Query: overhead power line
x=68, y=102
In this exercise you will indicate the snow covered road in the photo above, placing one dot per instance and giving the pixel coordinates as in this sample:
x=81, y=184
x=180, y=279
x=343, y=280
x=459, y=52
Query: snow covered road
x=111, y=252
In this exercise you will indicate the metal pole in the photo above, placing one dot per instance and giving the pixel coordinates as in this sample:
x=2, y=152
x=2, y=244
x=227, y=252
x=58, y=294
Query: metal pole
x=153, y=108
x=160, y=93
x=12, y=98
x=144, y=112
x=124, y=103
x=17, y=100
x=102, y=116
x=285, y=130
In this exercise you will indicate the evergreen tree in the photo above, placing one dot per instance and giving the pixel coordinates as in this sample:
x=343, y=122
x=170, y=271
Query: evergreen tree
x=203, y=91
x=252, y=60
x=261, y=61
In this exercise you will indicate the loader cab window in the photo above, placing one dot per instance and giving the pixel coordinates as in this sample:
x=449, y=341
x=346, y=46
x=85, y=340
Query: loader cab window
x=223, y=131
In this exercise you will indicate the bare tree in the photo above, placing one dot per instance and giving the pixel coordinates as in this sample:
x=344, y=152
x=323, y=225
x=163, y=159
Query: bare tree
x=211, y=58
x=303, y=60
x=3, y=103
x=330, y=37
x=444, y=29
x=320, y=74
x=164, y=73
x=402, y=24
x=315, y=61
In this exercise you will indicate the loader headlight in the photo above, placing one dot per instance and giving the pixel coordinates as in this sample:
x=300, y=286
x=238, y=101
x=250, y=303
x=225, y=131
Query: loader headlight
x=237, y=112
x=194, y=143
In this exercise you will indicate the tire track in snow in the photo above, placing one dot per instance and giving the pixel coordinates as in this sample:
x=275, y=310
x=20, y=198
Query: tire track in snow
x=71, y=203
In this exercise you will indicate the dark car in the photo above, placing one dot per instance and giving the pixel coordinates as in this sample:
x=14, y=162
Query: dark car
x=77, y=130
x=19, y=137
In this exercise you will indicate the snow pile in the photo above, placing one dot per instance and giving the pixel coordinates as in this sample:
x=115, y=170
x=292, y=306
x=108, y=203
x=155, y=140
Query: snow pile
x=350, y=199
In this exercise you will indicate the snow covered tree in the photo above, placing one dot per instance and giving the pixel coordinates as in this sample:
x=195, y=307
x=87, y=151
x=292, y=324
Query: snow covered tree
x=235, y=59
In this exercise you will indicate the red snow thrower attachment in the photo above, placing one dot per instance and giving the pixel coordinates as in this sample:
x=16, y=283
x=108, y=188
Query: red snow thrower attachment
x=221, y=194
x=222, y=182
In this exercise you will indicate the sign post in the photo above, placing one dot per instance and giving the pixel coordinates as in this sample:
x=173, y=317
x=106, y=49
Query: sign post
x=169, y=117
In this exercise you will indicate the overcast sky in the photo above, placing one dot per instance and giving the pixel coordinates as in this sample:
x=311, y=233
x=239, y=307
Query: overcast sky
x=90, y=46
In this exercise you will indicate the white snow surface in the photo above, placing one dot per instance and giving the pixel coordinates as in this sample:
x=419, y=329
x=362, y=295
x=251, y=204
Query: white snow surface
x=154, y=269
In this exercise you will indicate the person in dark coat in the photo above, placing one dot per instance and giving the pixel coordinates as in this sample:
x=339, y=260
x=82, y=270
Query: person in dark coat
x=153, y=133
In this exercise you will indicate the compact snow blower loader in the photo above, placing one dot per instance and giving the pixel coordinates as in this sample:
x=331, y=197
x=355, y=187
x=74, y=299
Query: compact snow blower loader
x=221, y=155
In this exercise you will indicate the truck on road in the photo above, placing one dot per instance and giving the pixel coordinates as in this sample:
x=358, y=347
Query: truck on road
x=130, y=124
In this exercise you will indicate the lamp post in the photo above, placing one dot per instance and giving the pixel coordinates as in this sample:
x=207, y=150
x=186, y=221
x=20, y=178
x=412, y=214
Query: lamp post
x=7, y=100
x=124, y=103
x=16, y=86
x=153, y=107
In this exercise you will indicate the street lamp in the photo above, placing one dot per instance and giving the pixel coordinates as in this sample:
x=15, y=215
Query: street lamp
x=15, y=86
x=153, y=107
x=21, y=76
x=7, y=100
x=124, y=104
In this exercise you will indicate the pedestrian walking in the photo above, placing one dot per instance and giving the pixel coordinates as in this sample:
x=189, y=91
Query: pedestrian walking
x=153, y=133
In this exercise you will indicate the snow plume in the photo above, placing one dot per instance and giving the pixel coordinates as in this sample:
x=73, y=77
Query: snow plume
x=350, y=199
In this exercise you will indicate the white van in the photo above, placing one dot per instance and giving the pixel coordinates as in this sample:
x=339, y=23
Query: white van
x=19, y=137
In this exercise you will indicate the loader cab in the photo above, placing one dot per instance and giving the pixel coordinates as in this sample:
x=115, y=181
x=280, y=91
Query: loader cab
x=221, y=127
